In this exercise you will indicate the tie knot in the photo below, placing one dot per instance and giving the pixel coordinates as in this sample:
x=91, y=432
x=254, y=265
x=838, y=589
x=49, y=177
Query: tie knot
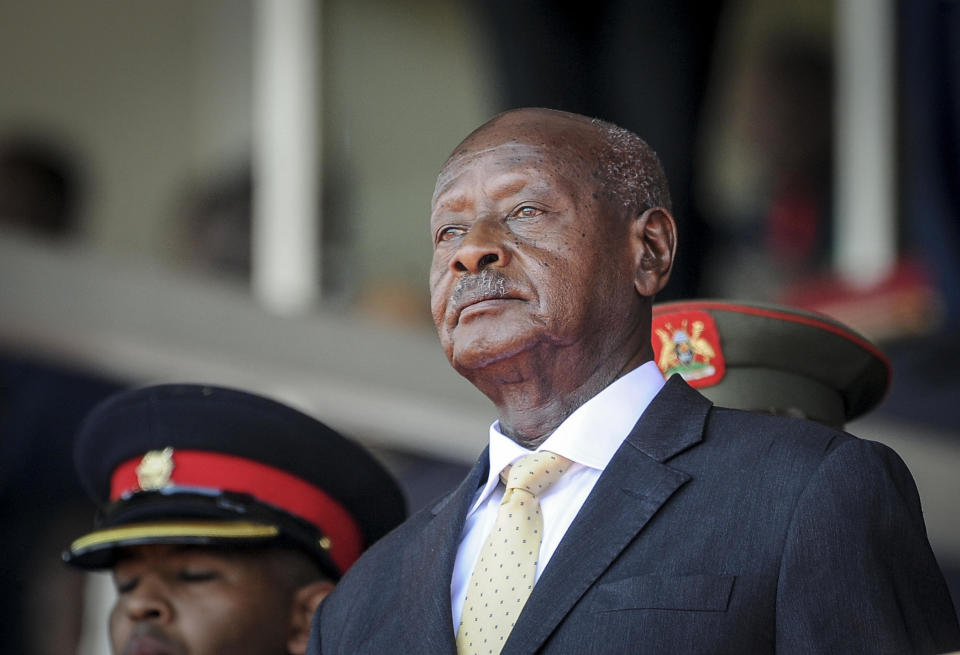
x=536, y=472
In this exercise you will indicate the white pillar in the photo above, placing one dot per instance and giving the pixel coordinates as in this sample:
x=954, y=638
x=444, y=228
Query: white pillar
x=98, y=598
x=286, y=164
x=865, y=207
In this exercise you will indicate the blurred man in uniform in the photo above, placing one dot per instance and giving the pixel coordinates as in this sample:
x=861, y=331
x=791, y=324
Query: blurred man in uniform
x=225, y=518
x=769, y=358
x=615, y=512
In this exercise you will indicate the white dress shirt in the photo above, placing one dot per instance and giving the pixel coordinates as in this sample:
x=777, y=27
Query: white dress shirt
x=589, y=437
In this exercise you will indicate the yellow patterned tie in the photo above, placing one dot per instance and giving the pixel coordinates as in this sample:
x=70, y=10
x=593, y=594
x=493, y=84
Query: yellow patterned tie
x=506, y=569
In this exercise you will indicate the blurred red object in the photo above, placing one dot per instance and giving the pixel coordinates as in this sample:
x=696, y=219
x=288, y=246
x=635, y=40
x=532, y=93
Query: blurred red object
x=905, y=303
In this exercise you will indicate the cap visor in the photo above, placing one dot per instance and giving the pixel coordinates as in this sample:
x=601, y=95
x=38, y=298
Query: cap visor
x=95, y=550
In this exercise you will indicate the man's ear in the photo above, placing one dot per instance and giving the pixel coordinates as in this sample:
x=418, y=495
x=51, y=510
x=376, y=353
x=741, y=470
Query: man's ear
x=306, y=599
x=654, y=242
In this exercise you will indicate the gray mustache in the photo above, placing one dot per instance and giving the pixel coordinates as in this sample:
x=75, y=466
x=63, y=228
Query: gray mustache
x=486, y=284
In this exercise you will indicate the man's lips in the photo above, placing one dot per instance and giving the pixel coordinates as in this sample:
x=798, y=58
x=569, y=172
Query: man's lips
x=481, y=304
x=149, y=645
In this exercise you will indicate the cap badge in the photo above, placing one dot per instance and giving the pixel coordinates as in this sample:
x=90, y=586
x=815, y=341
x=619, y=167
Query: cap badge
x=155, y=469
x=689, y=346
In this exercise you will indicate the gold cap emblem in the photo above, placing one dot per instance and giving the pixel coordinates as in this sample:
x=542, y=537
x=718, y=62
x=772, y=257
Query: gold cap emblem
x=155, y=468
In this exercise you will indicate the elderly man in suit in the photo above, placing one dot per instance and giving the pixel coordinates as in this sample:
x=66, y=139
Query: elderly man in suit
x=614, y=512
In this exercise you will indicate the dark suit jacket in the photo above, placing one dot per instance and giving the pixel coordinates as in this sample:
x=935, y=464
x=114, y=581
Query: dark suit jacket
x=711, y=531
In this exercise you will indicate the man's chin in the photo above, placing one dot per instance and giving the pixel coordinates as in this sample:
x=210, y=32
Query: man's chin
x=474, y=358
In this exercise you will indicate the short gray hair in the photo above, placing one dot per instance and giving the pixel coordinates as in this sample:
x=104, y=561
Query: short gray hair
x=630, y=171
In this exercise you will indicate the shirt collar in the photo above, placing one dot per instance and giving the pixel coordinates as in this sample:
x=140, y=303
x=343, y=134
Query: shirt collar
x=592, y=433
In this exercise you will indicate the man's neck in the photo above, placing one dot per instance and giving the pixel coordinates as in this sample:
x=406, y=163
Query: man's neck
x=532, y=403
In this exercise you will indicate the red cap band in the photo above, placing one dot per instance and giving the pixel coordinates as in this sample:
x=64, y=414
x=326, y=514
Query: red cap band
x=211, y=470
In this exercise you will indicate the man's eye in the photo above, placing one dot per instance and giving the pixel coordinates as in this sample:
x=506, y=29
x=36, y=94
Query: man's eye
x=527, y=211
x=125, y=586
x=448, y=233
x=197, y=576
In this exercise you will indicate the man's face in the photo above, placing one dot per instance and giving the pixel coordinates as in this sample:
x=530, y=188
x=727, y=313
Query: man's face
x=177, y=600
x=527, y=257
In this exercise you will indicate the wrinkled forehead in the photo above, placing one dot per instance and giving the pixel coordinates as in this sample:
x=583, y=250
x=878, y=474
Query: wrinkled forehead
x=557, y=158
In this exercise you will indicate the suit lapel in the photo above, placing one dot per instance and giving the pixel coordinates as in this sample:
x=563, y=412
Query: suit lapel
x=430, y=557
x=628, y=494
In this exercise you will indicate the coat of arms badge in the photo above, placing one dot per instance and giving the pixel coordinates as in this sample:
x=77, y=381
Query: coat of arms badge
x=688, y=346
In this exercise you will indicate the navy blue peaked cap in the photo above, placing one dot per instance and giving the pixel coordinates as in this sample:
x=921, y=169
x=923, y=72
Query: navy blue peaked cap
x=187, y=463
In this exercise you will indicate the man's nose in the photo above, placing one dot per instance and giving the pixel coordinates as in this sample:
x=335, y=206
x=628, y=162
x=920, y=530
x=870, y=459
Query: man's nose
x=482, y=246
x=148, y=602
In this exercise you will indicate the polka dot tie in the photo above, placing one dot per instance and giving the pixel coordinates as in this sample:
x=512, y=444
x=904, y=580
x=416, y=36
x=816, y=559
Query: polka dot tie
x=505, y=571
